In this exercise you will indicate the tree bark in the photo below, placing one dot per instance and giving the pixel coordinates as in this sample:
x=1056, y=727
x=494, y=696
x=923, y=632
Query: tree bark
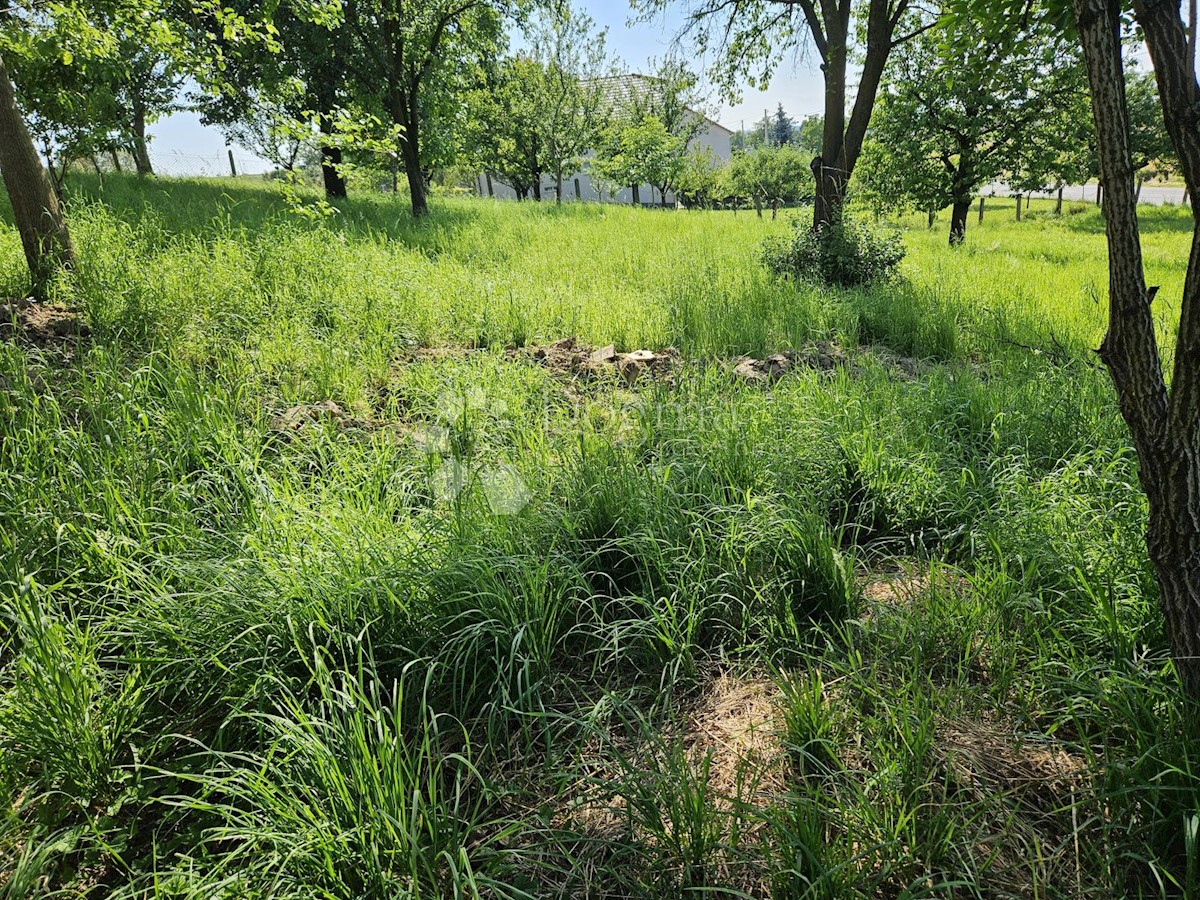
x=958, y=220
x=980, y=210
x=842, y=138
x=1018, y=207
x=491, y=190
x=1058, y=206
x=331, y=161
x=637, y=199
x=408, y=117
x=141, y=154
x=1164, y=425
x=36, y=210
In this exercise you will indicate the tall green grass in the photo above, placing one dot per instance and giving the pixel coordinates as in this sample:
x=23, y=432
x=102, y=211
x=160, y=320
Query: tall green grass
x=241, y=660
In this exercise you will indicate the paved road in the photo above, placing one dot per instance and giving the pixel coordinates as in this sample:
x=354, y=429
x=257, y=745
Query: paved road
x=1153, y=194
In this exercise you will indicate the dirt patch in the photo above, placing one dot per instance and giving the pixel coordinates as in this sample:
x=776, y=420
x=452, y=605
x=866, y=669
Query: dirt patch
x=571, y=357
x=41, y=324
x=989, y=760
x=735, y=725
x=303, y=417
x=821, y=356
x=908, y=582
x=1039, y=782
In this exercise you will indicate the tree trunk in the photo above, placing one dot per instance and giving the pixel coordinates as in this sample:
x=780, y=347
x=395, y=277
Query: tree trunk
x=1164, y=425
x=930, y=216
x=1137, y=192
x=331, y=161
x=958, y=220
x=637, y=198
x=410, y=145
x=36, y=210
x=1059, y=204
x=558, y=188
x=116, y=161
x=842, y=139
x=491, y=190
x=980, y=210
x=537, y=188
x=141, y=155
x=1018, y=207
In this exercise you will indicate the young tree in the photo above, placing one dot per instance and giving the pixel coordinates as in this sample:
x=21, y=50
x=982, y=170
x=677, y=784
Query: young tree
x=572, y=57
x=770, y=176
x=699, y=179
x=751, y=36
x=641, y=152
x=973, y=111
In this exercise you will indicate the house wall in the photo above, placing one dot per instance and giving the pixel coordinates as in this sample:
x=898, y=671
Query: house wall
x=715, y=137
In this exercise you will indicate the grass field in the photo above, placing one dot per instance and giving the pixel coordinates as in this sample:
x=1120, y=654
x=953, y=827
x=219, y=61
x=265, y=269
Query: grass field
x=321, y=576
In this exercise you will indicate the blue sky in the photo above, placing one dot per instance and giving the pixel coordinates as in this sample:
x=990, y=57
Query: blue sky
x=182, y=142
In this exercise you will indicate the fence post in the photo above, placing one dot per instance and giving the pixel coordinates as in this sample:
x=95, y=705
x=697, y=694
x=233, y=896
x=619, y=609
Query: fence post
x=980, y=210
x=232, y=167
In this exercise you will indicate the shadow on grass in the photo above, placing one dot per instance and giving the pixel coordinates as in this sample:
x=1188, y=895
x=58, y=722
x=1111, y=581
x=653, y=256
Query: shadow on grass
x=204, y=207
x=1151, y=220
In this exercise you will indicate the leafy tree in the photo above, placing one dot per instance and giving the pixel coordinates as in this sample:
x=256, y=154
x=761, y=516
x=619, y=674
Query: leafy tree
x=293, y=85
x=770, y=176
x=808, y=134
x=146, y=84
x=509, y=123
x=274, y=131
x=700, y=178
x=750, y=37
x=782, y=128
x=671, y=94
x=571, y=95
x=643, y=152
x=956, y=114
x=420, y=53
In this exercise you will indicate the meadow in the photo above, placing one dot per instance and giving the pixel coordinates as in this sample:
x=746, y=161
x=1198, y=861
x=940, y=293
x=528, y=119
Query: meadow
x=331, y=568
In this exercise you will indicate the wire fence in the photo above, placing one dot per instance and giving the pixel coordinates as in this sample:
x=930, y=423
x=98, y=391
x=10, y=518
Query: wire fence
x=194, y=165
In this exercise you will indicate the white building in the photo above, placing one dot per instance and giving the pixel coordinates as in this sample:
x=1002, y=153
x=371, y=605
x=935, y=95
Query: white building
x=578, y=186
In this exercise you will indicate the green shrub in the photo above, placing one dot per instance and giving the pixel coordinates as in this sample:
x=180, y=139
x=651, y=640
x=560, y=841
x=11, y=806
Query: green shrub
x=846, y=253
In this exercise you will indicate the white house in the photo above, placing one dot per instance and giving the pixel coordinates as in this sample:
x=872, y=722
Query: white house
x=578, y=186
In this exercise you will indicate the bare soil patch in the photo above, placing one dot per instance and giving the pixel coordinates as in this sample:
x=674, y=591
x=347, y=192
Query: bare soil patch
x=41, y=324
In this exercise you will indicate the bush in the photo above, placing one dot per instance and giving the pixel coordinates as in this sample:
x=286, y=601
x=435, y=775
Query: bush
x=844, y=253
